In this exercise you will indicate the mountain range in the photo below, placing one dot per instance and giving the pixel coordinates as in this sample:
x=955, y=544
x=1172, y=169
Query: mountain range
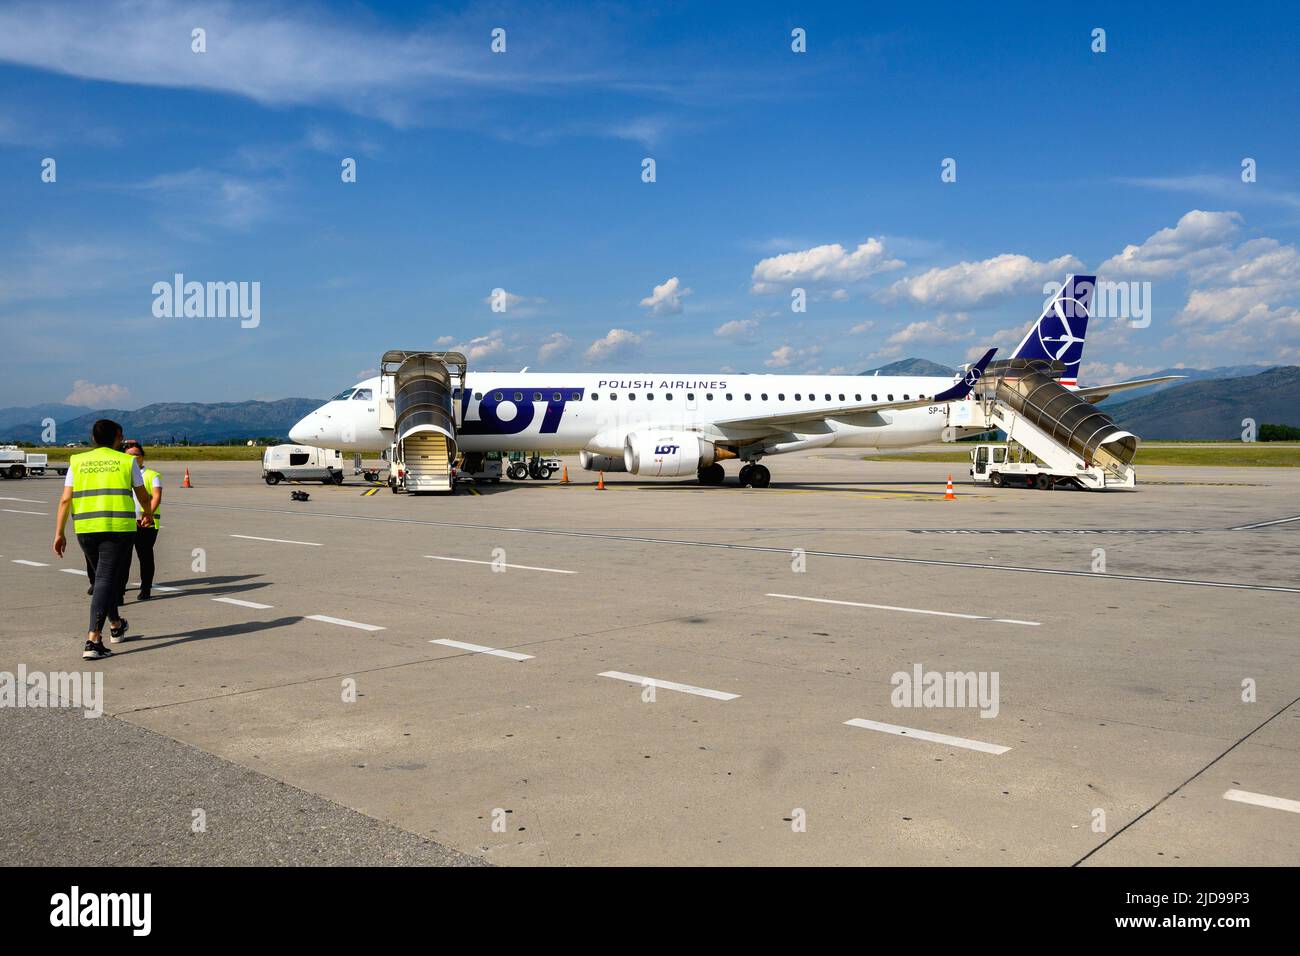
x=163, y=421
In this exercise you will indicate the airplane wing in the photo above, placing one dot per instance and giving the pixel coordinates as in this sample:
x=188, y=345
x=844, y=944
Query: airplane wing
x=1096, y=393
x=952, y=394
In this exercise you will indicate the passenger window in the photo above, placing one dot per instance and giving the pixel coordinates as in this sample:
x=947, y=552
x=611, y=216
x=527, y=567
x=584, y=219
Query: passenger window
x=907, y=398
x=780, y=396
x=537, y=396
x=763, y=396
x=668, y=397
x=613, y=396
x=649, y=396
x=891, y=397
x=797, y=396
x=595, y=396
x=557, y=397
x=873, y=398
x=576, y=397
x=728, y=396
x=690, y=396
x=498, y=396
x=519, y=396
x=841, y=397
x=748, y=397
x=478, y=396
x=828, y=398
x=857, y=398
x=709, y=396
x=631, y=396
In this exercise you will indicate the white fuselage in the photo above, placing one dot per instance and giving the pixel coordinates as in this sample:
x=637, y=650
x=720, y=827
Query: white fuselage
x=529, y=411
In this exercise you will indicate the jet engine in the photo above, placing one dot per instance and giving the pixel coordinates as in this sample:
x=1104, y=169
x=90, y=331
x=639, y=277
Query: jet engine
x=591, y=461
x=666, y=454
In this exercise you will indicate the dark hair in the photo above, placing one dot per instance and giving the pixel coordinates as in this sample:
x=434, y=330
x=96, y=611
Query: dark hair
x=131, y=443
x=104, y=433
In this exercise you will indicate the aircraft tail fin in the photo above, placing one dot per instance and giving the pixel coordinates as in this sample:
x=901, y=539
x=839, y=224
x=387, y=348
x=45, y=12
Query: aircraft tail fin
x=1058, y=334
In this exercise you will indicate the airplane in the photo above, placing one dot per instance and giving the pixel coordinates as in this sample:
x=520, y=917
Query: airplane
x=662, y=425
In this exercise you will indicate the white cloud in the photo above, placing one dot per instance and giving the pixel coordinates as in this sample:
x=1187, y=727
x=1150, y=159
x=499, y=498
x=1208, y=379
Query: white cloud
x=516, y=306
x=788, y=355
x=1200, y=238
x=737, y=329
x=863, y=326
x=945, y=327
x=970, y=282
x=96, y=396
x=555, y=345
x=445, y=340
x=276, y=57
x=617, y=343
x=829, y=263
x=483, y=347
x=666, y=299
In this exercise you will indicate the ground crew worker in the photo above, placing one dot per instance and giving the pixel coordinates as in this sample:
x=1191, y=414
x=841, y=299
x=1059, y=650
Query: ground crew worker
x=128, y=446
x=99, y=484
x=146, y=536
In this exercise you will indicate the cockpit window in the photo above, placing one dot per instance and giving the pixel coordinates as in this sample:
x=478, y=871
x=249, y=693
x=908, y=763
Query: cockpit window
x=363, y=395
x=346, y=393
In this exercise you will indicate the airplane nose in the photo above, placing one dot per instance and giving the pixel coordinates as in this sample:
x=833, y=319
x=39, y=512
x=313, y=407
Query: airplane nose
x=302, y=433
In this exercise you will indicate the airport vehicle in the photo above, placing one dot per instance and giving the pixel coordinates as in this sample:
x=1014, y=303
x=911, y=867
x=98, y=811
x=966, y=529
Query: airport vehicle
x=679, y=425
x=1011, y=464
x=302, y=463
x=13, y=462
x=523, y=465
x=479, y=466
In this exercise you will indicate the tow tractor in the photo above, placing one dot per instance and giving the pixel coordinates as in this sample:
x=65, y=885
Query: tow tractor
x=531, y=466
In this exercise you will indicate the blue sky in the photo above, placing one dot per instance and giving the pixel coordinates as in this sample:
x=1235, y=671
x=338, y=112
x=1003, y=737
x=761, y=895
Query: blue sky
x=522, y=171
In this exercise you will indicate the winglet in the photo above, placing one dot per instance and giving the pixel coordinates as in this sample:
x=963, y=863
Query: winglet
x=968, y=382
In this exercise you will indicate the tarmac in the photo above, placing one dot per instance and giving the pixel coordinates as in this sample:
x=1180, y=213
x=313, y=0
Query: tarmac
x=663, y=673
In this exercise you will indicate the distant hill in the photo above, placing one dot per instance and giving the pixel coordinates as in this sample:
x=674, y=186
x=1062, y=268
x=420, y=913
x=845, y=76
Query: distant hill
x=167, y=421
x=1189, y=375
x=912, y=366
x=34, y=414
x=1213, y=409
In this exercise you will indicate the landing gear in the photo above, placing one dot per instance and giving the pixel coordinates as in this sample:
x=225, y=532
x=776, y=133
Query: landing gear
x=712, y=475
x=759, y=477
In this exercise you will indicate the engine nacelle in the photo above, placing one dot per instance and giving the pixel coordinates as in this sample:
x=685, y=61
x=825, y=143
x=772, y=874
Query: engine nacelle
x=591, y=461
x=667, y=454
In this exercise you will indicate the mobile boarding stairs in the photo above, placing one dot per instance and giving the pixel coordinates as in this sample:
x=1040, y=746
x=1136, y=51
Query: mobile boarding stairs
x=416, y=392
x=1069, y=435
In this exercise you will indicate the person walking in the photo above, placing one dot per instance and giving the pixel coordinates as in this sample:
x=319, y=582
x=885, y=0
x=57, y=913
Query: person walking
x=98, y=481
x=146, y=536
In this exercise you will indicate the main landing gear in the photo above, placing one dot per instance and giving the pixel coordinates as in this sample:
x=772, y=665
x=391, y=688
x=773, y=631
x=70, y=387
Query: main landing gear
x=752, y=475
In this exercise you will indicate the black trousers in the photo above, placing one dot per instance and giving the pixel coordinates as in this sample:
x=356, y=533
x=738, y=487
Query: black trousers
x=145, y=538
x=108, y=562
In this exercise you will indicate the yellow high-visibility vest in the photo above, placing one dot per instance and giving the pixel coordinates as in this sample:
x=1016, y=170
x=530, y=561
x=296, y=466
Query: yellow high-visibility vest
x=101, y=491
x=149, y=476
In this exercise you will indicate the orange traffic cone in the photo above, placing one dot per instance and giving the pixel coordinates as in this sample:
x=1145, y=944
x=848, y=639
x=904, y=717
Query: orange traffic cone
x=186, y=482
x=600, y=485
x=948, y=495
x=565, y=479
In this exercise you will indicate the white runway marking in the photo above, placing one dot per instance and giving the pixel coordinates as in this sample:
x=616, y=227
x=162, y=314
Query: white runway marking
x=521, y=567
x=238, y=603
x=669, y=685
x=480, y=649
x=927, y=735
x=158, y=587
x=15, y=511
x=74, y=571
x=28, y=501
x=338, y=620
x=909, y=610
x=250, y=537
x=763, y=549
x=30, y=564
x=1265, y=524
x=1263, y=800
